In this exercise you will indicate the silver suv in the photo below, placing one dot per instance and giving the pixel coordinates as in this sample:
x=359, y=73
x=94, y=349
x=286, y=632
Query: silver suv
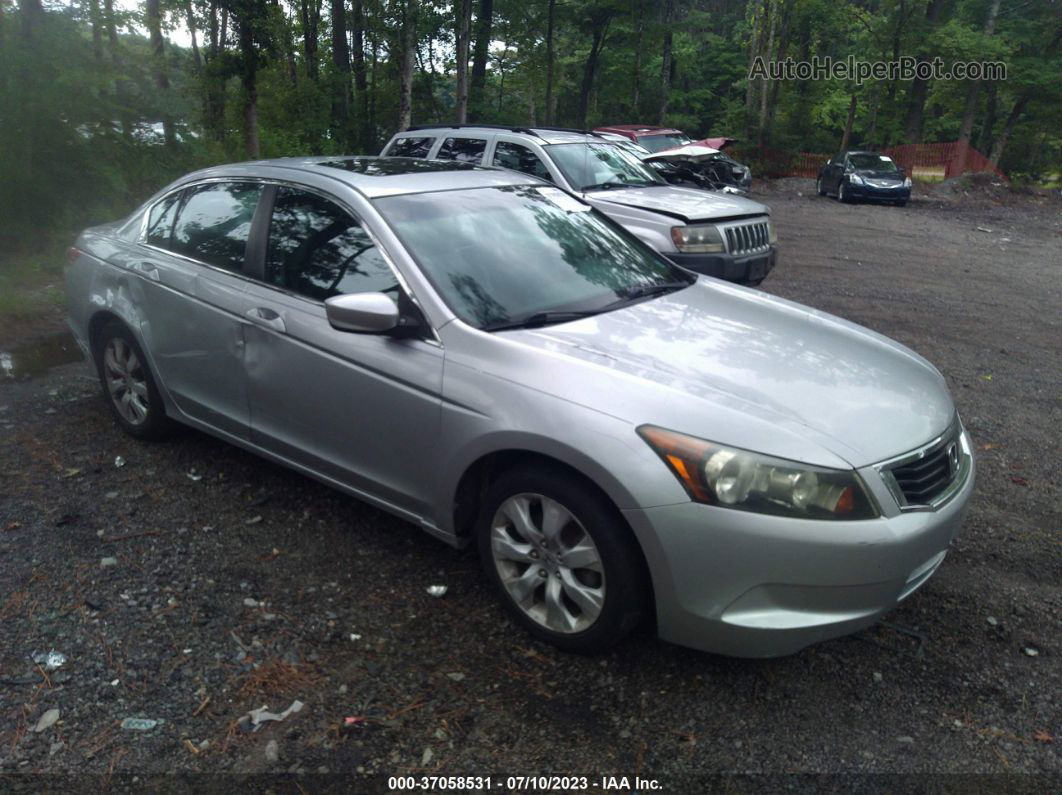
x=711, y=233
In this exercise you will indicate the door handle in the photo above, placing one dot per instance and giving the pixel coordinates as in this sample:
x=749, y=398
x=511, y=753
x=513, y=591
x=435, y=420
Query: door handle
x=147, y=270
x=263, y=316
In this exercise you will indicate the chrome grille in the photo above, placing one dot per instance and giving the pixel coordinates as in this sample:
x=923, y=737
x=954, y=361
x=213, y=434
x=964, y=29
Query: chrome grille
x=747, y=238
x=928, y=475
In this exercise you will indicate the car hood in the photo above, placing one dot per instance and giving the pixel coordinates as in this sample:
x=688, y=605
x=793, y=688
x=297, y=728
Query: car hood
x=684, y=204
x=742, y=368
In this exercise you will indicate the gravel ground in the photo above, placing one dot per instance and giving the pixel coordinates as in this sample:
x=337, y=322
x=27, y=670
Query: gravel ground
x=195, y=582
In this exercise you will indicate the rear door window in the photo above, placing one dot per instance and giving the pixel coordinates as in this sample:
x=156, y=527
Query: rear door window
x=317, y=250
x=160, y=221
x=410, y=147
x=463, y=150
x=214, y=223
x=520, y=158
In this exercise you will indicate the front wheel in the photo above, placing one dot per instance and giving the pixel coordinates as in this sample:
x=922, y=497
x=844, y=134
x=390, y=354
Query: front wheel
x=562, y=559
x=842, y=193
x=901, y=203
x=819, y=188
x=128, y=384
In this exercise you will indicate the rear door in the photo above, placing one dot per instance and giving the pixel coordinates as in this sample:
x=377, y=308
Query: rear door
x=463, y=149
x=191, y=263
x=361, y=409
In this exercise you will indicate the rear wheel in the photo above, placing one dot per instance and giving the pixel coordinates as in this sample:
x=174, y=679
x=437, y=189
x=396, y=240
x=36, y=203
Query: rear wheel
x=562, y=559
x=128, y=384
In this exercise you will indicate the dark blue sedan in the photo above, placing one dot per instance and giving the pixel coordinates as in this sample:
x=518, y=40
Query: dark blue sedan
x=866, y=176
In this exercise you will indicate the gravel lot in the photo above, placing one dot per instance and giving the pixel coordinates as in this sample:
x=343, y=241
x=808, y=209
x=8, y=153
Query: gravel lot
x=195, y=582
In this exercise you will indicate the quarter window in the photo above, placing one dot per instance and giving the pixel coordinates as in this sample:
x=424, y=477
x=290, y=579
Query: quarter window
x=463, y=150
x=318, y=250
x=410, y=147
x=160, y=221
x=214, y=223
x=520, y=158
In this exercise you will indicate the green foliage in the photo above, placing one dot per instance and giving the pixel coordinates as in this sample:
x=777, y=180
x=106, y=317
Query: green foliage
x=81, y=115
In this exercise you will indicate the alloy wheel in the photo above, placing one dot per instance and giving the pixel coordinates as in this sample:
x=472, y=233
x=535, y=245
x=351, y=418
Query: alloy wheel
x=126, y=381
x=548, y=563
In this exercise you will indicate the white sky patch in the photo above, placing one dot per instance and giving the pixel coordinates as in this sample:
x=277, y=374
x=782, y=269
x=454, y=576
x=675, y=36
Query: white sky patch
x=173, y=24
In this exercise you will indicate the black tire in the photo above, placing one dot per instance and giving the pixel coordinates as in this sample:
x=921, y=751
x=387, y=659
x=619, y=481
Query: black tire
x=154, y=423
x=842, y=193
x=901, y=203
x=818, y=187
x=755, y=282
x=623, y=585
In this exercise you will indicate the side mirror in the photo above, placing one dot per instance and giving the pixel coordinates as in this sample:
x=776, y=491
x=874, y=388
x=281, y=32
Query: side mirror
x=365, y=313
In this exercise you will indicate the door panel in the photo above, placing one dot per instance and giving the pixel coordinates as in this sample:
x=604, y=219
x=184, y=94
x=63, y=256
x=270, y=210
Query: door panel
x=362, y=409
x=193, y=312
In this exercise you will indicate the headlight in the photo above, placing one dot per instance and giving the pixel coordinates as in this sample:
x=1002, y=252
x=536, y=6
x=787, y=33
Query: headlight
x=907, y=182
x=855, y=179
x=733, y=478
x=772, y=236
x=697, y=239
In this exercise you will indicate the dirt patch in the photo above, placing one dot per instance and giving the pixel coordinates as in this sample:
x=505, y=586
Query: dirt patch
x=195, y=583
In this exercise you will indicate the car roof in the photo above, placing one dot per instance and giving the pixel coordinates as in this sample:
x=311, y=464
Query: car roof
x=375, y=177
x=541, y=135
x=639, y=129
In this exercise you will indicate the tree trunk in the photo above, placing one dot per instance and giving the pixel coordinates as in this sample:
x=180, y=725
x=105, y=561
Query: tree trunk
x=116, y=62
x=767, y=55
x=361, y=87
x=767, y=129
x=551, y=14
x=409, y=43
x=97, y=31
x=638, y=12
x=462, y=31
x=249, y=79
x=480, y=56
x=972, y=93
x=190, y=21
x=311, y=21
x=848, y=124
x=984, y=138
x=1008, y=127
x=341, y=98
x=665, y=63
x=153, y=17
x=599, y=30
x=916, y=98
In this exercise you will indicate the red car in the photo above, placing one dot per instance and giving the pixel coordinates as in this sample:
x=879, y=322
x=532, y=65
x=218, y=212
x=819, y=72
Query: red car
x=655, y=139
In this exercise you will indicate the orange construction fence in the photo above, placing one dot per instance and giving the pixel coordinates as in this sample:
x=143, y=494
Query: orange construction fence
x=940, y=160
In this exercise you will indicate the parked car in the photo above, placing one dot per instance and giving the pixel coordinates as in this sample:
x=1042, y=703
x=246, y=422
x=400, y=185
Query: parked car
x=870, y=176
x=649, y=136
x=683, y=161
x=725, y=236
x=491, y=358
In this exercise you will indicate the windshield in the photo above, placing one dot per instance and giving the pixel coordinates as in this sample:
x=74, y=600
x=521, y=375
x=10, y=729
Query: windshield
x=870, y=162
x=658, y=143
x=500, y=256
x=600, y=166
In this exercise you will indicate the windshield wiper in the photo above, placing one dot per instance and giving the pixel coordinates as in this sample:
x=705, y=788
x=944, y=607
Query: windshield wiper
x=649, y=290
x=611, y=185
x=539, y=319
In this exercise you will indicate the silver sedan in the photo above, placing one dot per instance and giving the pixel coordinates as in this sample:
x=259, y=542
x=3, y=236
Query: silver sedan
x=486, y=355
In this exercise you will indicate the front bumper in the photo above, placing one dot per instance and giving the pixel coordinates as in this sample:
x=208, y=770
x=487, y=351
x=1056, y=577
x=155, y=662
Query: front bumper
x=733, y=268
x=873, y=193
x=752, y=585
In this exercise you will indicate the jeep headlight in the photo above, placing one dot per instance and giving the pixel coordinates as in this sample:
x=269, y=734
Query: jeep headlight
x=697, y=239
x=732, y=478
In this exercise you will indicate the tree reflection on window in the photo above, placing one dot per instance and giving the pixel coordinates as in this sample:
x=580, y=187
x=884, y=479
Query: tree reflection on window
x=318, y=250
x=214, y=223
